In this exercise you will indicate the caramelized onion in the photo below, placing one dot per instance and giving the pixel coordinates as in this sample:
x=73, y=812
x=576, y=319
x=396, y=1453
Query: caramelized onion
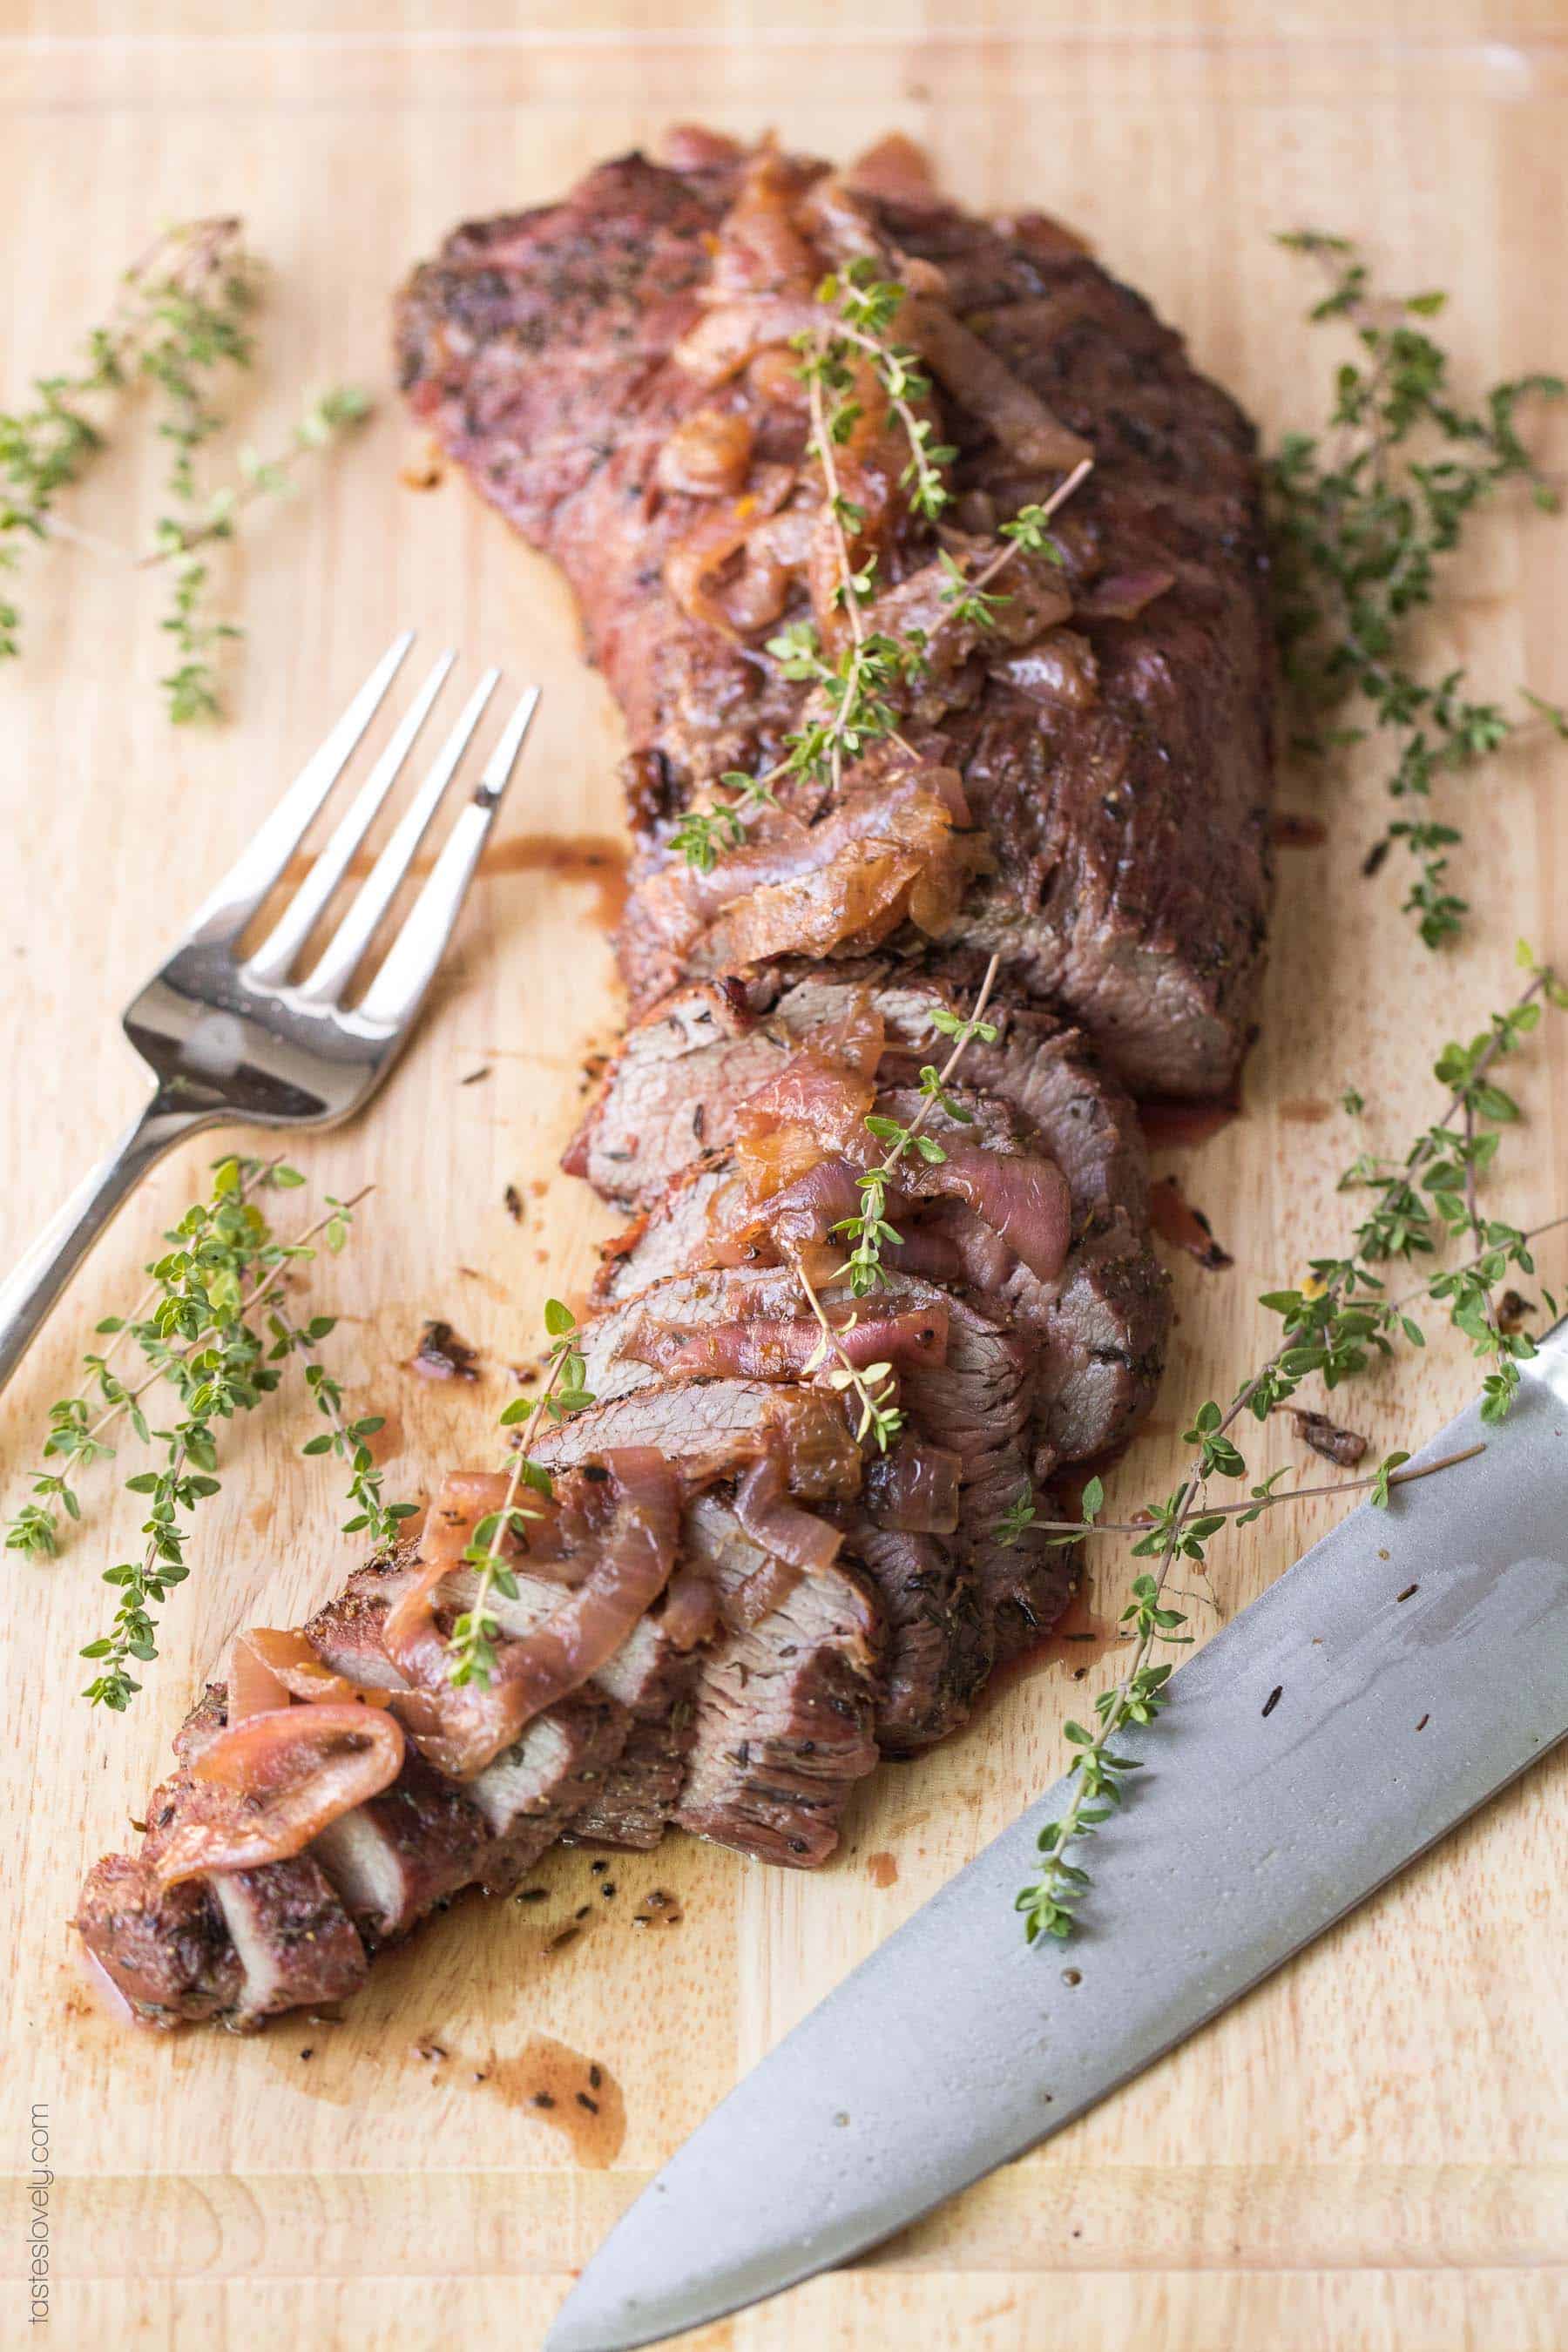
x=984, y=1260
x=410, y=1626
x=264, y=1788
x=820, y=1458
x=767, y=1589
x=894, y=169
x=913, y=811
x=778, y=1526
x=863, y=894
x=460, y=1730
x=887, y=852
x=775, y=559
x=1122, y=595
x=759, y=249
x=409, y=1636
x=708, y=454
x=774, y=377
x=1024, y=1200
x=1059, y=667
x=714, y=538
x=725, y=340
x=691, y=1609
x=775, y=1158
x=812, y=1092
x=253, y=1687
x=632, y=1569
x=985, y=385
x=292, y=1664
x=806, y=1211
x=692, y=147
x=925, y=1250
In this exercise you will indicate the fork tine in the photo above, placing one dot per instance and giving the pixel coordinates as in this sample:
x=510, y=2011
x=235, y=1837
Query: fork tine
x=274, y=958
x=225, y=912
x=412, y=960
x=339, y=959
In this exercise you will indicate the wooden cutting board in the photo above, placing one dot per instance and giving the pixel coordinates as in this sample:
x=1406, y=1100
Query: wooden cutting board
x=1368, y=2153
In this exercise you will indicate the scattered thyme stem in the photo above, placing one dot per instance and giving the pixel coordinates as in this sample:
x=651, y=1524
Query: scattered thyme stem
x=1235, y=1510
x=879, y=1418
x=260, y=1294
x=485, y=1573
x=976, y=1012
x=1000, y=561
x=262, y=483
x=1533, y=1233
x=1472, y=1207
x=1414, y=1159
x=1135, y=1697
x=849, y=601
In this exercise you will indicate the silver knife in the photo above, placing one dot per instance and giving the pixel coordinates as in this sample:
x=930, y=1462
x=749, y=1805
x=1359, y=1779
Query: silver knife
x=1408, y=1667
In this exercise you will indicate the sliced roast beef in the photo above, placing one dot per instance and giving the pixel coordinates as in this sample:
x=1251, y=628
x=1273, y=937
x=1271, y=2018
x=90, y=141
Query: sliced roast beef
x=1119, y=768
x=1098, y=1332
x=636, y=1800
x=168, y=1949
x=939, y=1640
x=392, y=1860
x=733, y=1591
x=561, y=1763
x=784, y=1707
x=238, y=1944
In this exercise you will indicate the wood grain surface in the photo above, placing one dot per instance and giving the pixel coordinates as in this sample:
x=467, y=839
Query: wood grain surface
x=1368, y=2152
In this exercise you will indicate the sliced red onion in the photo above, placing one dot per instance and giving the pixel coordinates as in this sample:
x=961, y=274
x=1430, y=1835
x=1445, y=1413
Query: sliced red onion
x=253, y=1687
x=1122, y=595
x=781, y=1528
x=264, y=1788
x=778, y=1348
x=690, y=1608
x=1024, y=1200
x=636, y=1554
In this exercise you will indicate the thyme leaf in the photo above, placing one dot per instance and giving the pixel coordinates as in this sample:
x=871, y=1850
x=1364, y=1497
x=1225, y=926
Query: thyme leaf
x=470, y=1649
x=847, y=359
x=182, y=323
x=1365, y=519
x=202, y=1325
x=1333, y=1325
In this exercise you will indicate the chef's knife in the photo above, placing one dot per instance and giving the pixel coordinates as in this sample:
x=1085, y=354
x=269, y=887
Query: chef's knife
x=1408, y=1667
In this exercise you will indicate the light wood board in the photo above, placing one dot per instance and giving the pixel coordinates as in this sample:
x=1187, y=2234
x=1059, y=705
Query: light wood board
x=1369, y=2152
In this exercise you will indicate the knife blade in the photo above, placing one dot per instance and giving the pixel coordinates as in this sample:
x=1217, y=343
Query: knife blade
x=1420, y=1659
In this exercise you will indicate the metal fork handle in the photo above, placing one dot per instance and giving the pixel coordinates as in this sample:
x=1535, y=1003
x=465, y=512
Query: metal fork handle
x=29, y=1292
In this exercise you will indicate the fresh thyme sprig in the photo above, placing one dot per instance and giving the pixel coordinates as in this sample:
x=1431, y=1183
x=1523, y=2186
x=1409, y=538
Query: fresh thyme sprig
x=347, y=1439
x=873, y=1386
x=1332, y=1326
x=1390, y=1472
x=201, y=1328
x=870, y=1229
x=704, y=835
x=470, y=1652
x=224, y=1272
x=1363, y=523
x=1344, y=1312
x=182, y=319
x=192, y=686
x=226, y=1240
x=859, y=688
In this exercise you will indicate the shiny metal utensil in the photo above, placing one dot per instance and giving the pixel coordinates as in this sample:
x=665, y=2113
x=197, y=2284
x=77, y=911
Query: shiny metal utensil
x=1408, y=1667
x=233, y=1038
